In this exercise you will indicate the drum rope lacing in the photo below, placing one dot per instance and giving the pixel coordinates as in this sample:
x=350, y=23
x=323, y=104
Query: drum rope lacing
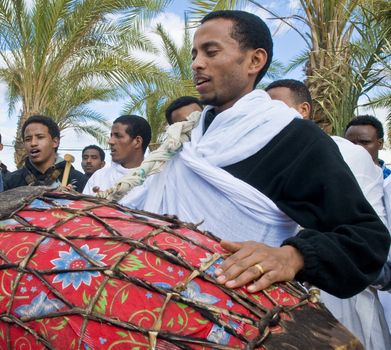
x=267, y=318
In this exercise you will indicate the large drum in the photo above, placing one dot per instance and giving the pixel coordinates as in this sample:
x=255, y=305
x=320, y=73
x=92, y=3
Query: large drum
x=82, y=273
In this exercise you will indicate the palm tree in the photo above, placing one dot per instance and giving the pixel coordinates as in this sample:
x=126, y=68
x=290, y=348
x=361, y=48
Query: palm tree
x=72, y=41
x=346, y=51
x=382, y=98
x=170, y=83
x=70, y=108
x=345, y=59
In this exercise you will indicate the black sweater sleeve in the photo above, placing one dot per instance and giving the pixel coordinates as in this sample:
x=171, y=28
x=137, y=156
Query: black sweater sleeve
x=342, y=240
x=77, y=179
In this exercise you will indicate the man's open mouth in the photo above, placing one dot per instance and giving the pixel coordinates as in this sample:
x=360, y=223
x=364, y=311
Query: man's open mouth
x=35, y=152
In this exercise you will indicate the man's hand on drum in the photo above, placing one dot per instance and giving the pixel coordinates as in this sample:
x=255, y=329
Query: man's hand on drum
x=258, y=265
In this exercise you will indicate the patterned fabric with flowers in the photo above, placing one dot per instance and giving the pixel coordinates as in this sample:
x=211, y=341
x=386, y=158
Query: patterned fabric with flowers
x=79, y=273
x=72, y=260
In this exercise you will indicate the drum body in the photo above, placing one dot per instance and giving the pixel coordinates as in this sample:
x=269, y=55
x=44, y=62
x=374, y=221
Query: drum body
x=81, y=273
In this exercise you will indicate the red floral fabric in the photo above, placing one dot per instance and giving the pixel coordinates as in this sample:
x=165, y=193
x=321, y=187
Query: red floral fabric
x=116, y=294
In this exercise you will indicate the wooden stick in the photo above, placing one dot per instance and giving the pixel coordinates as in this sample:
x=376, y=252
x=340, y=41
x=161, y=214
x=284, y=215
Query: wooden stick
x=69, y=159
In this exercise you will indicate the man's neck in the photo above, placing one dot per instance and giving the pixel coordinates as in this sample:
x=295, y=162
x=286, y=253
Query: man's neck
x=133, y=163
x=43, y=167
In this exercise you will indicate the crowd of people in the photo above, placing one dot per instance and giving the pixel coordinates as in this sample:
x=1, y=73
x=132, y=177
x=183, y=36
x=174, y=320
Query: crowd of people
x=289, y=201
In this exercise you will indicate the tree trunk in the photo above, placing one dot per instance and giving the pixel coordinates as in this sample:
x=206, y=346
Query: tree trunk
x=20, y=152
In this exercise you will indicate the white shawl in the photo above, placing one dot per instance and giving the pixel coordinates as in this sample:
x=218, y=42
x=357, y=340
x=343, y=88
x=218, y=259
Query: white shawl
x=195, y=188
x=105, y=178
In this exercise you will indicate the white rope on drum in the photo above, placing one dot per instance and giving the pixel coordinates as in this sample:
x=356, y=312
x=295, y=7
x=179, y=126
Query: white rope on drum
x=177, y=135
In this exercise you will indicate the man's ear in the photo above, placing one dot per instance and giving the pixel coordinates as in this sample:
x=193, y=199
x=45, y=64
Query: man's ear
x=56, y=142
x=103, y=164
x=304, y=109
x=258, y=61
x=138, y=142
x=1, y=146
x=381, y=143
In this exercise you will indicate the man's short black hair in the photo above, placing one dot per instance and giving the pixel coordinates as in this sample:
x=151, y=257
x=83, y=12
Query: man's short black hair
x=179, y=103
x=54, y=130
x=100, y=151
x=136, y=126
x=367, y=120
x=300, y=92
x=0, y=138
x=250, y=32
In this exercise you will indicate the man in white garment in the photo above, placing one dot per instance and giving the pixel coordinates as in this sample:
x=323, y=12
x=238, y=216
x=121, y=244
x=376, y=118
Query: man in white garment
x=362, y=314
x=129, y=139
x=253, y=170
x=370, y=178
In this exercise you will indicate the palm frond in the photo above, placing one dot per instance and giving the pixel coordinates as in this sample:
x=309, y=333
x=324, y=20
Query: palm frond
x=200, y=8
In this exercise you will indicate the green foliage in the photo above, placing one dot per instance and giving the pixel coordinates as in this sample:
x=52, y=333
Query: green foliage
x=169, y=83
x=59, y=55
x=347, y=54
x=200, y=8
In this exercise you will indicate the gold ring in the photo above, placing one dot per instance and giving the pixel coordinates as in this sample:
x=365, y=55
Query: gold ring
x=260, y=268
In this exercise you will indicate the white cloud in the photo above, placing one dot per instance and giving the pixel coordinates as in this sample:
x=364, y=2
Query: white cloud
x=30, y=3
x=174, y=26
x=294, y=4
x=277, y=27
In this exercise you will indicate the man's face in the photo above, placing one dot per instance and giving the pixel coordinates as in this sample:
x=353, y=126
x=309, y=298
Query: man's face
x=180, y=114
x=285, y=95
x=220, y=68
x=91, y=161
x=282, y=94
x=366, y=136
x=40, y=146
x=122, y=146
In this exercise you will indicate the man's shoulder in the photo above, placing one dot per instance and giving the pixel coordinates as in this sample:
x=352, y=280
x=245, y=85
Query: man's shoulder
x=101, y=173
x=301, y=126
x=77, y=173
x=354, y=154
x=16, y=173
x=301, y=134
x=98, y=178
x=15, y=178
x=3, y=168
x=78, y=179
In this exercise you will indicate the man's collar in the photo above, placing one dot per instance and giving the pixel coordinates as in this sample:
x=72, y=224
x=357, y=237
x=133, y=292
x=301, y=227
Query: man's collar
x=210, y=115
x=58, y=163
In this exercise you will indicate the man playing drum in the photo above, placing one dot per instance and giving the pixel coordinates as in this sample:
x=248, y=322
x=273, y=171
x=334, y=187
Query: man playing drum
x=254, y=171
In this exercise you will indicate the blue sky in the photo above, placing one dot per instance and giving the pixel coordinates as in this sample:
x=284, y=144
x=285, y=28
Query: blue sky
x=287, y=44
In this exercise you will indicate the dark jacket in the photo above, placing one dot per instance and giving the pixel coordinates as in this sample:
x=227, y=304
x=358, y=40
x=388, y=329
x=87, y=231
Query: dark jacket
x=3, y=169
x=342, y=240
x=3, y=172
x=29, y=175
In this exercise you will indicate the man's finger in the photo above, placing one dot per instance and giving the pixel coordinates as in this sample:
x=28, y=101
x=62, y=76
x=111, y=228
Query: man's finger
x=245, y=277
x=244, y=270
x=265, y=281
x=231, y=246
x=238, y=258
